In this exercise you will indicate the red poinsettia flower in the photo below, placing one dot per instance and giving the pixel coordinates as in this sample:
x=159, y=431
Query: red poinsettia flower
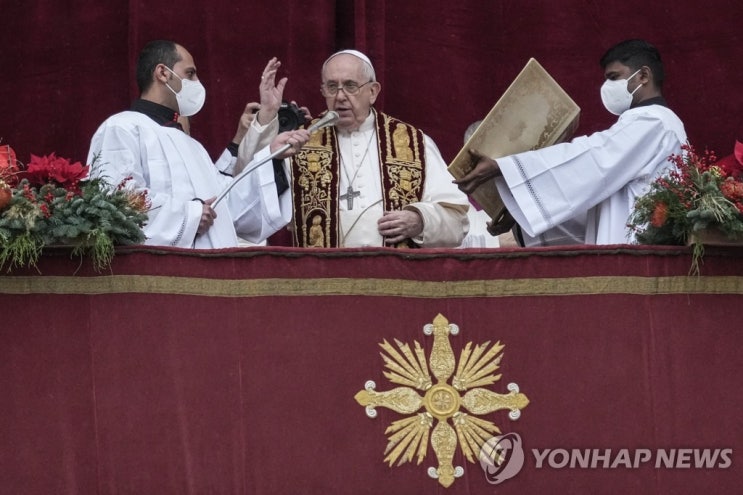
x=50, y=168
x=732, y=165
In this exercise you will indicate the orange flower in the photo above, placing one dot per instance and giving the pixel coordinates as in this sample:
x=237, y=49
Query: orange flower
x=660, y=215
x=5, y=194
x=732, y=190
x=138, y=200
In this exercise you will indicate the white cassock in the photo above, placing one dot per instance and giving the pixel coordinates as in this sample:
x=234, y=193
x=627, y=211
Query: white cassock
x=478, y=235
x=443, y=206
x=258, y=137
x=175, y=169
x=584, y=191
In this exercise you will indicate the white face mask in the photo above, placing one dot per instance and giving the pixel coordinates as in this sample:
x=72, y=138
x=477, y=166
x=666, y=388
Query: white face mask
x=191, y=97
x=615, y=96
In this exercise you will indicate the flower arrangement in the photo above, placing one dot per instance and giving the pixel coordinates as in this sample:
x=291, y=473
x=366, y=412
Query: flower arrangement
x=54, y=202
x=698, y=194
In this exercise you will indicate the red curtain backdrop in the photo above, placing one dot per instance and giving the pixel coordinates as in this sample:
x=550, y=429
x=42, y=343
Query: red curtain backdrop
x=66, y=66
x=232, y=371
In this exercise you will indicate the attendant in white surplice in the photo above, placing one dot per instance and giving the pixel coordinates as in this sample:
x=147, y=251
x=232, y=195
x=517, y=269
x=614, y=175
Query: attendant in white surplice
x=372, y=180
x=228, y=159
x=584, y=191
x=148, y=145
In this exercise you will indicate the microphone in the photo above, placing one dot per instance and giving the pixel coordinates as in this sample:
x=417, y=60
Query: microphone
x=330, y=118
x=327, y=120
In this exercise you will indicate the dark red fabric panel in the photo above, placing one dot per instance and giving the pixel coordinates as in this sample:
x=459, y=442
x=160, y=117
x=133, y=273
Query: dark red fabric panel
x=445, y=65
x=168, y=390
x=65, y=68
x=116, y=392
x=419, y=264
x=48, y=428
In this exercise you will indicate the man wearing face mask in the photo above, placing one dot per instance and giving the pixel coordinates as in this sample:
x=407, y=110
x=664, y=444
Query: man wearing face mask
x=147, y=148
x=583, y=192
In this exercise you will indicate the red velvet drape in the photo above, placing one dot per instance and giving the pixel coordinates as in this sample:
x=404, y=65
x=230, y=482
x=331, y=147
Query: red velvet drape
x=234, y=372
x=66, y=66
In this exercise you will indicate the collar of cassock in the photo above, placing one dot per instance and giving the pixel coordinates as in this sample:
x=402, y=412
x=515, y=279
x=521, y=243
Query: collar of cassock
x=656, y=100
x=368, y=124
x=159, y=113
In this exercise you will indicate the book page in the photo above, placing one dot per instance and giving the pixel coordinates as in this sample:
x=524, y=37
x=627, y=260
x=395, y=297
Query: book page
x=534, y=112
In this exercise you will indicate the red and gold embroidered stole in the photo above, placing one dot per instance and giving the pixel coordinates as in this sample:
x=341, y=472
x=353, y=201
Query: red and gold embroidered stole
x=316, y=178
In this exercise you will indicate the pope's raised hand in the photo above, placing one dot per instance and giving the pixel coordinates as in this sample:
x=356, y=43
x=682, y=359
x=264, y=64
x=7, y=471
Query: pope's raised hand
x=271, y=92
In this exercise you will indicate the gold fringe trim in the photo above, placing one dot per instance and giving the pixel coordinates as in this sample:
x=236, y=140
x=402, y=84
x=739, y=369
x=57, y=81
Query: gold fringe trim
x=574, y=286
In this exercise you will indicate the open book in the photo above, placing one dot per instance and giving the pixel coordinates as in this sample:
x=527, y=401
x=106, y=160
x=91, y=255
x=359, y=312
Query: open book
x=534, y=112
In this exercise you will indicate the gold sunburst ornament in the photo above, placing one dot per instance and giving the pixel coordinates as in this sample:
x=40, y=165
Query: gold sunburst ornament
x=442, y=401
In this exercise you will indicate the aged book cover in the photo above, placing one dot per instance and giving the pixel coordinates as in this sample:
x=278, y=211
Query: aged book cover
x=534, y=112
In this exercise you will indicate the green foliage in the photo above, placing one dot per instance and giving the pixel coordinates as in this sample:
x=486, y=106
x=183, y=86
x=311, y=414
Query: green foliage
x=21, y=250
x=682, y=203
x=695, y=196
x=92, y=218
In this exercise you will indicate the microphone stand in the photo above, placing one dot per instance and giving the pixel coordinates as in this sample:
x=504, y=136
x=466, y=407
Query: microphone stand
x=328, y=119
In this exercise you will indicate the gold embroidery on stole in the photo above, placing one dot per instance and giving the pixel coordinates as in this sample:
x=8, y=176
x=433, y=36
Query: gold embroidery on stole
x=315, y=171
x=314, y=187
x=403, y=173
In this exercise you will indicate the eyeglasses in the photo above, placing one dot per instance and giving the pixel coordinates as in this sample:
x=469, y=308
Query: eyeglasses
x=348, y=87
